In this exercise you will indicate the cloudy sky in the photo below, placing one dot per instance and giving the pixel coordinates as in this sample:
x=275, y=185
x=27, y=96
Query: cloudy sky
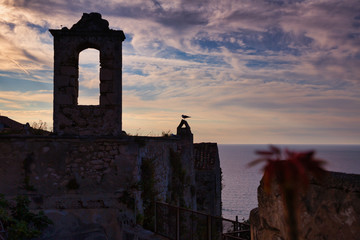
x=247, y=71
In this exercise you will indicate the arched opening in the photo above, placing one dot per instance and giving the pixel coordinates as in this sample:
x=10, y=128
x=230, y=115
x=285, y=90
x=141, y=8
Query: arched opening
x=89, y=81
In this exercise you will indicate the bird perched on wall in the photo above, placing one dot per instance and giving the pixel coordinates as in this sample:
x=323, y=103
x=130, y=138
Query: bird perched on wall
x=185, y=116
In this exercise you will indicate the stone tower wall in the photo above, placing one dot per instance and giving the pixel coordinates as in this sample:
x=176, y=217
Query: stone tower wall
x=208, y=178
x=69, y=117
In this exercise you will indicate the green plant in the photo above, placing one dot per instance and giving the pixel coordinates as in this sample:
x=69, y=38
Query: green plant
x=127, y=199
x=148, y=193
x=39, y=128
x=291, y=171
x=140, y=219
x=27, y=170
x=27, y=184
x=167, y=133
x=19, y=222
x=222, y=180
x=177, y=183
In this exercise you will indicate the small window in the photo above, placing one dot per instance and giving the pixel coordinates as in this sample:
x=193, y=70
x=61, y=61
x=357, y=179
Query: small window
x=89, y=77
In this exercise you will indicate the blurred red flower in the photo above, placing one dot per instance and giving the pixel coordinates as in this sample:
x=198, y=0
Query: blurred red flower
x=291, y=171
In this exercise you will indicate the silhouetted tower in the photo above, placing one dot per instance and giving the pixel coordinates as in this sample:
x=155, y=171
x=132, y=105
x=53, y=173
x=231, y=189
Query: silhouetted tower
x=70, y=118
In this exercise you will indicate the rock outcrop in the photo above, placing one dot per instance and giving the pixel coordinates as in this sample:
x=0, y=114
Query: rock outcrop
x=329, y=210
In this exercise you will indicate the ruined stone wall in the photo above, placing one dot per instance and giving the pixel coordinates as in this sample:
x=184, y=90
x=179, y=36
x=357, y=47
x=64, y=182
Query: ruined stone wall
x=330, y=210
x=70, y=118
x=208, y=178
x=94, y=186
x=161, y=156
x=97, y=164
x=92, y=182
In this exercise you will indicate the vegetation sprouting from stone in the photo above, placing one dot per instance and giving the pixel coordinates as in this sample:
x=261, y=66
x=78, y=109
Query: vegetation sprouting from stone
x=18, y=222
x=127, y=199
x=167, y=133
x=27, y=170
x=148, y=193
x=177, y=183
x=27, y=185
x=39, y=128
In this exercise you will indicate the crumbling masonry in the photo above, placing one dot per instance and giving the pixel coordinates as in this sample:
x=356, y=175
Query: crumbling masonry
x=69, y=118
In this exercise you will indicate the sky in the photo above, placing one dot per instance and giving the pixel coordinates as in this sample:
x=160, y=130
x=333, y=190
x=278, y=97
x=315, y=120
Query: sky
x=246, y=71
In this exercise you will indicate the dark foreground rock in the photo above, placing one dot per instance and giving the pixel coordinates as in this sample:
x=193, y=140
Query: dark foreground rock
x=329, y=210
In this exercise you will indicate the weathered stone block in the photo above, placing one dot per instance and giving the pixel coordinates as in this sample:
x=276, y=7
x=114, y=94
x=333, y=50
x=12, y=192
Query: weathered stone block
x=113, y=98
x=73, y=82
x=64, y=99
x=106, y=87
x=63, y=120
x=72, y=93
x=104, y=100
x=81, y=123
x=69, y=71
x=96, y=162
x=85, y=111
x=106, y=74
x=61, y=81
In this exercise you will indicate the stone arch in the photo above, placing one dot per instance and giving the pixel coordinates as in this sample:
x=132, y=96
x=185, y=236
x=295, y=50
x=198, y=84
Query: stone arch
x=86, y=45
x=89, y=77
x=69, y=118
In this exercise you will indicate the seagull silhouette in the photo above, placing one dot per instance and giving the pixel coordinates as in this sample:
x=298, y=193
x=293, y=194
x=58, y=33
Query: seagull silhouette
x=185, y=116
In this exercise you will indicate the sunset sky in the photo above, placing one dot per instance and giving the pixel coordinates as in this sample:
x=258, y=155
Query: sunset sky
x=247, y=71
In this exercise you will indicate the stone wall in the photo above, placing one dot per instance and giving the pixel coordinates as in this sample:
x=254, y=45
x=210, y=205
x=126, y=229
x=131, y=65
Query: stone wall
x=82, y=179
x=96, y=164
x=208, y=178
x=329, y=210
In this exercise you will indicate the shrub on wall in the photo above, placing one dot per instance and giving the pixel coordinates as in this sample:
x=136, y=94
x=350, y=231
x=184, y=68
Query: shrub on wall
x=27, y=171
x=128, y=199
x=18, y=222
x=178, y=178
x=148, y=194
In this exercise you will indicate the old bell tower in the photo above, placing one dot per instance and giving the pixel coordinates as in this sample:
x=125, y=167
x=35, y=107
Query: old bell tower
x=70, y=118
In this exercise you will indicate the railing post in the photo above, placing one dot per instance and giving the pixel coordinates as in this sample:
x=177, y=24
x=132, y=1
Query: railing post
x=155, y=220
x=177, y=223
x=188, y=227
x=192, y=225
x=236, y=226
x=209, y=226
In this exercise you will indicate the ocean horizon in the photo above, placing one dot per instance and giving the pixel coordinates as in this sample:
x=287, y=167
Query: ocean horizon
x=240, y=183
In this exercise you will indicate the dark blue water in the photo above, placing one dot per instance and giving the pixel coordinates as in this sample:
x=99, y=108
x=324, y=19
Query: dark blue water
x=240, y=182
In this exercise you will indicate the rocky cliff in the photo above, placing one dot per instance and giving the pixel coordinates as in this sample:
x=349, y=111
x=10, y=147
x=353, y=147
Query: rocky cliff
x=329, y=210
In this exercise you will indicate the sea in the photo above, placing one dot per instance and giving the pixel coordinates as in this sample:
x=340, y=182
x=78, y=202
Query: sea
x=239, y=182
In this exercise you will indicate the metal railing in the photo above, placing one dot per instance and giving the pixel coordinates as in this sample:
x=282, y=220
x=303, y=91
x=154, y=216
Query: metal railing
x=176, y=223
x=3, y=235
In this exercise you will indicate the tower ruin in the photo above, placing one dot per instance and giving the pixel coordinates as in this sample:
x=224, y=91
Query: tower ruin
x=70, y=118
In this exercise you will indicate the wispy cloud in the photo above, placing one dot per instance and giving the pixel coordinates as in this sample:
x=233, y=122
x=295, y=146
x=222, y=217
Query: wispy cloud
x=37, y=96
x=249, y=71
